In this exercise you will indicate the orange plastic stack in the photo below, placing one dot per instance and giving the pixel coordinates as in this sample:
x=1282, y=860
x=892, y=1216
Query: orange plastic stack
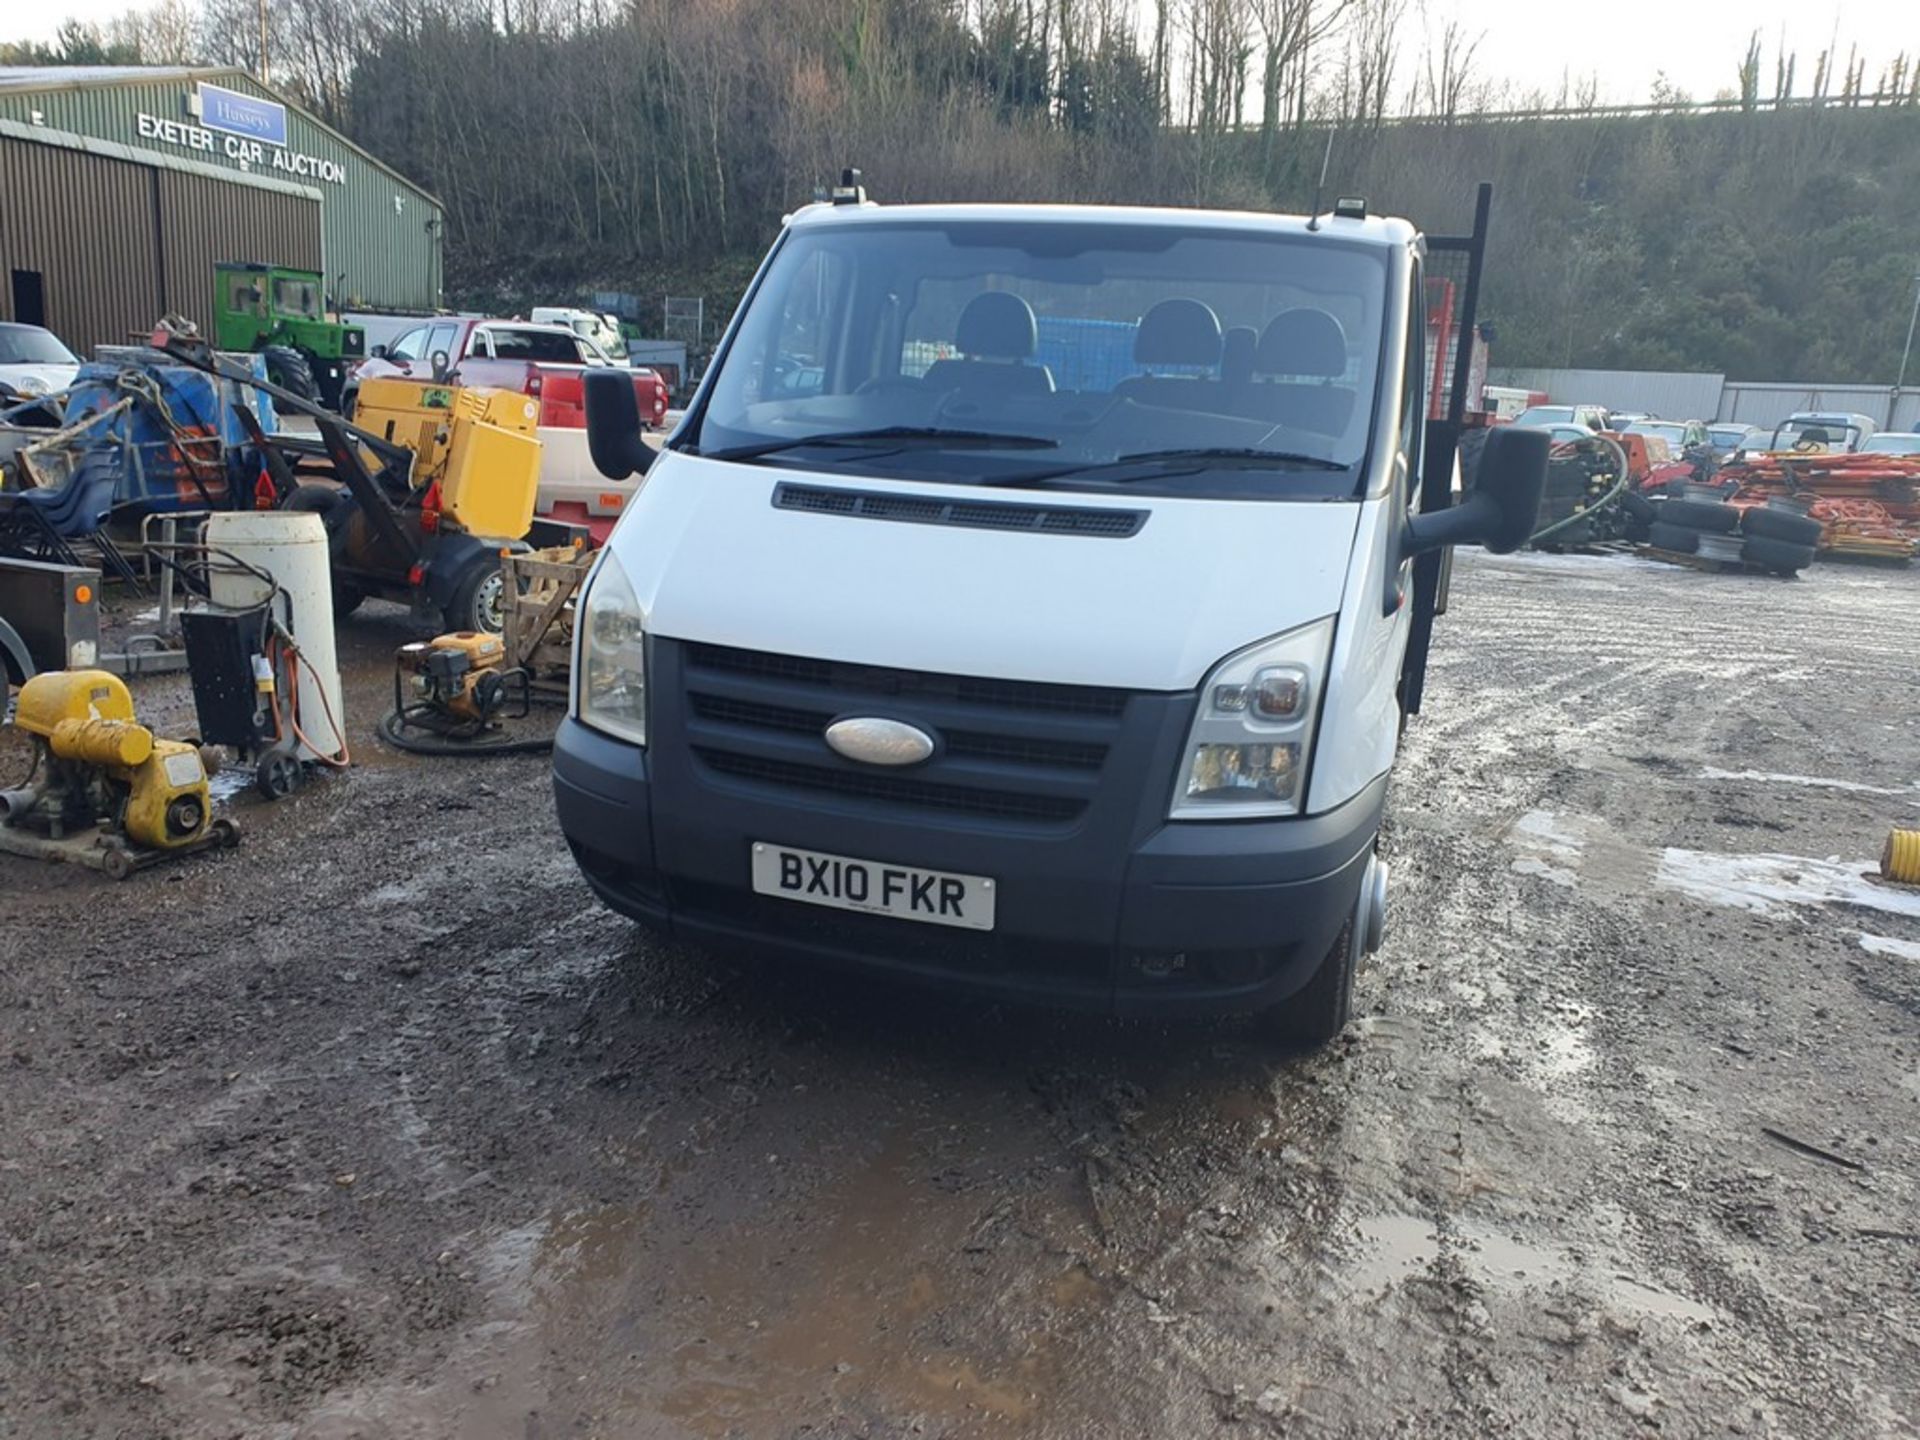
x=1866, y=504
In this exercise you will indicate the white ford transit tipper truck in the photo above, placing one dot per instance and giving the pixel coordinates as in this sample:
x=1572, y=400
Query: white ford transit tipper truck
x=1025, y=604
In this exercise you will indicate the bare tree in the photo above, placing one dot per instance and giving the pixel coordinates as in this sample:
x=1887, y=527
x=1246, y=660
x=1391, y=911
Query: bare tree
x=1447, y=67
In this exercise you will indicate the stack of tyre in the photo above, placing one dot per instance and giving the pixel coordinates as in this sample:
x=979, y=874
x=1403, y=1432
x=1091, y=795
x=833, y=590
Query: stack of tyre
x=1580, y=476
x=1778, y=536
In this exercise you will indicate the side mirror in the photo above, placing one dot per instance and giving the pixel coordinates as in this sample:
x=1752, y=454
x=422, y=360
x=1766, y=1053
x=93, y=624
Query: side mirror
x=613, y=424
x=442, y=366
x=1501, y=510
x=379, y=352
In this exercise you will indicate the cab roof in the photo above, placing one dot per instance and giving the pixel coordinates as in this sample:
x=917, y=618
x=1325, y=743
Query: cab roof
x=1382, y=230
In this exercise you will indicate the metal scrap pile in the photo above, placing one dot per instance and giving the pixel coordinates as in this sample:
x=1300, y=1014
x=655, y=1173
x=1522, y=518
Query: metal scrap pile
x=1867, y=504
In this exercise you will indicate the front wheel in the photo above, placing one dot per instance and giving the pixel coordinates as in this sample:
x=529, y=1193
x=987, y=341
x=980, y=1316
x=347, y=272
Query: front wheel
x=291, y=370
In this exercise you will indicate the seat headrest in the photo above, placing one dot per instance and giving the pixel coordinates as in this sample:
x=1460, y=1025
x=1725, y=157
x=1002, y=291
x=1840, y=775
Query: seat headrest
x=1178, y=332
x=998, y=326
x=1236, y=352
x=1302, y=342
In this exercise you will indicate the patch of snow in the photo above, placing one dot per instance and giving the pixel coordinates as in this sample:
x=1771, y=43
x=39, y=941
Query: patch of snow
x=1887, y=945
x=1816, y=782
x=1766, y=883
x=1550, y=847
x=1553, y=873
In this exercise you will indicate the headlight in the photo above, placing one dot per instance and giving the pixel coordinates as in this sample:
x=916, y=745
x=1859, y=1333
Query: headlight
x=1252, y=735
x=31, y=385
x=610, y=693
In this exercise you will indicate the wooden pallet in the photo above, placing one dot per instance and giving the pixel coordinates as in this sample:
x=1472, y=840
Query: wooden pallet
x=541, y=586
x=1877, y=556
x=1692, y=562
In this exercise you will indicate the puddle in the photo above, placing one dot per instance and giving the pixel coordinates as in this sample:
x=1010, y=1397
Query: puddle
x=229, y=781
x=743, y=1332
x=1815, y=782
x=1395, y=1248
x=1767, y=883
x=1887, y=945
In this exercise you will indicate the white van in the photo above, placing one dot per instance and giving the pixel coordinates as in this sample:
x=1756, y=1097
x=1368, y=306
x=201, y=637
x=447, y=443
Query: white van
x=602, y=330
x=1024, y=604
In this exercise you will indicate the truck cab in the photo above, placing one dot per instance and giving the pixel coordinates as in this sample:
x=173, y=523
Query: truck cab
x=283, y=314
x=1027, y=603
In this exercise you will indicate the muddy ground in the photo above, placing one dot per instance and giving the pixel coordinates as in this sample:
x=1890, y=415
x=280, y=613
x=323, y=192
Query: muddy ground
x=380, y=1127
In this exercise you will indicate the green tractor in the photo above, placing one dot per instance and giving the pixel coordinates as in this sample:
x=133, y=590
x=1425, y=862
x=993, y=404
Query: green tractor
x=282, y=313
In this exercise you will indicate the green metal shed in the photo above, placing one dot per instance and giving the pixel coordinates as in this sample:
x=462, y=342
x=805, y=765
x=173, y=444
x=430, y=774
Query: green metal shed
x=122, y=186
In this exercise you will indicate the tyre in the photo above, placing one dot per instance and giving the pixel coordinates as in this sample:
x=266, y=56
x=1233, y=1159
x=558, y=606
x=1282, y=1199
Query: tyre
x=1640, y=513
x=316, y=499
x=1765, y=523
x=1663, y=536
x=1782, y=557
x=1320, y=1011
x=288, y=368
x=479, y=599
x=1700, y=515
x=331, y=506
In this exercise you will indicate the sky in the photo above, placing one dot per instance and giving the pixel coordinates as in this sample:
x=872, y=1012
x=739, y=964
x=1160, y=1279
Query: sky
x=1696, y=44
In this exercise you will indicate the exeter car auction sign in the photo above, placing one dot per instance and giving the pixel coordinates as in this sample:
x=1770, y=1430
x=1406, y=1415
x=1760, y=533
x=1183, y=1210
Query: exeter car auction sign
x=249, y=131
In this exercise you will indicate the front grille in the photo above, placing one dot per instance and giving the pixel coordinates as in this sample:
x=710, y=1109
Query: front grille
x=834, y=675
x=893, y=789
x=1100, y=523
x=963, y=744
x=1020, y=751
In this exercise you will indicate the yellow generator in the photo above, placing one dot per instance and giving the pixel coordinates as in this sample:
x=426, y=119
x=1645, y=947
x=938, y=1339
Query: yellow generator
x=104, y=791
x=480, y=446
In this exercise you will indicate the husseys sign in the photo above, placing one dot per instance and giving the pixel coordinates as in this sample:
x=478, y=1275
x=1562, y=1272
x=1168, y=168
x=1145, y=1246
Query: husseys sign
x=249, y=131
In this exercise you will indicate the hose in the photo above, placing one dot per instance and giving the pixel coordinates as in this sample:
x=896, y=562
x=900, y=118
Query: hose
x=393, y=729
x=1606, y=501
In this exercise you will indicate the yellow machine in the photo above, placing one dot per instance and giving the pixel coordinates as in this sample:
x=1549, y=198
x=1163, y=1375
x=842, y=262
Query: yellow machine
x=104, y=791
x=479, y=445
x=450, y=691
x=460, y=676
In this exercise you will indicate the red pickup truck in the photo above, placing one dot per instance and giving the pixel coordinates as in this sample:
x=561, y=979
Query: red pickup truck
x=547, y=361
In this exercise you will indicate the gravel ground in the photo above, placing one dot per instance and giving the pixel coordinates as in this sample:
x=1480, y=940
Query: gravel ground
x=379, y=1127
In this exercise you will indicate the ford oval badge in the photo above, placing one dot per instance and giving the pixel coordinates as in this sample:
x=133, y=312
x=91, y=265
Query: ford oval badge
x=874, y=741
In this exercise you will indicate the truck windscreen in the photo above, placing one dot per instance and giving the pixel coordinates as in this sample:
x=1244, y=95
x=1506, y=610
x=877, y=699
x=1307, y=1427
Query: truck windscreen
x=1089, y=346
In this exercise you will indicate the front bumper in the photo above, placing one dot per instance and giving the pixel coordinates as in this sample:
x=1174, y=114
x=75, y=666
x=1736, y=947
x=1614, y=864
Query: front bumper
x=1195, y=919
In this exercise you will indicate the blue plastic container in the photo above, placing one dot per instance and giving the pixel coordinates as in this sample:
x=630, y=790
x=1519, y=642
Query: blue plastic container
x=181, y=439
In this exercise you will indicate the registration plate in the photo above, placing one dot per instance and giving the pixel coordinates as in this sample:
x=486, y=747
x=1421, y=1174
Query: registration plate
x=906, y=892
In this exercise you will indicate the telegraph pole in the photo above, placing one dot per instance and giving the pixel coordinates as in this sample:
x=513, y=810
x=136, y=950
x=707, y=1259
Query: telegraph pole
x=1900, y=384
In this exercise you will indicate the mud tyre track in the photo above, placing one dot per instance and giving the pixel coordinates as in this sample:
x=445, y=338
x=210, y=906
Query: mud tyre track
x=380, y=1127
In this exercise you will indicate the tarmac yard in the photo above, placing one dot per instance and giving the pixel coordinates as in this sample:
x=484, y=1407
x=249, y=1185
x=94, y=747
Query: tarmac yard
x=379, y=1126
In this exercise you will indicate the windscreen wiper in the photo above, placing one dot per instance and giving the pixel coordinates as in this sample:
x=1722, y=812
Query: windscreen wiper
x=1151, y=463
x=898, y=436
